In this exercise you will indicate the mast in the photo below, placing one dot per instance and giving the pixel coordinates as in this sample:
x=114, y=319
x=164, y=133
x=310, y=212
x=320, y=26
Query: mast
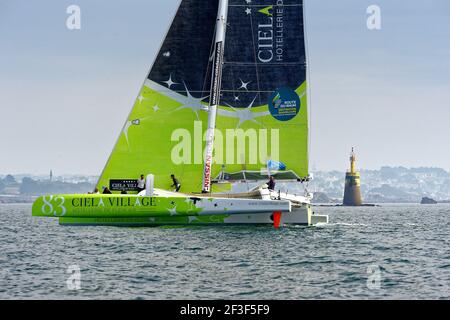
x=216, y=80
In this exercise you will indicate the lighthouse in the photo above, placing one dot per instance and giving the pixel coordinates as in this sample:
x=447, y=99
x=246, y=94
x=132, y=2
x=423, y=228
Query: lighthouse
x=352, y=193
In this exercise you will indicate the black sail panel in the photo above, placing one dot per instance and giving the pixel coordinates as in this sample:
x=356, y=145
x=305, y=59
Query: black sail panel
x=264, y=92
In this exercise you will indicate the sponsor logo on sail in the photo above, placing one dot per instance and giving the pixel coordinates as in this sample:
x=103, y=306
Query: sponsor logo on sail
x=284, y=104
x=271, y=33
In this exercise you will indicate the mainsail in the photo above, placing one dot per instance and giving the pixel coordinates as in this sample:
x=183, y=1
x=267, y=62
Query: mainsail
x=262, y=117
x=263, y=92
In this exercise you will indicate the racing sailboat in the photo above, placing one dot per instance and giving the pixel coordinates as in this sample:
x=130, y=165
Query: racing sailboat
x=224, y=103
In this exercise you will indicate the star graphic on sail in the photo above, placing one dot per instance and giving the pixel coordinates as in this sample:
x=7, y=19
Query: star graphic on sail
x=155, y=108
x=243, y=115
x=141, y=98
x=170, y=82
x=244, y=85
x=190, y=102
x=248, y=11
x=128, y=125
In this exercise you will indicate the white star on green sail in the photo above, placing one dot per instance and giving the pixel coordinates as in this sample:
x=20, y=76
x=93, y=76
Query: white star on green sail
x=243, y=115
x=187, y=102
x=128, y=125
x=125, y=130
x=141, y=98
x=190, y=102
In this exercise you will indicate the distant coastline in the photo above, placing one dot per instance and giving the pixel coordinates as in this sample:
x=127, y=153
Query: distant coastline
x=24, y=189
x=5, y=199
x=386, y=185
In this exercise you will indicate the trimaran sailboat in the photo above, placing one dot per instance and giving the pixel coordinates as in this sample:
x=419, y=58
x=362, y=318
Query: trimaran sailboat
x=225, y=102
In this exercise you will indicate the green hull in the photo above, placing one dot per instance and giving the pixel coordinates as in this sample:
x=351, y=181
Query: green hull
x=144, y=222
x=125, y=210
x=109, y=206
x=304, y=218
x=132, y=210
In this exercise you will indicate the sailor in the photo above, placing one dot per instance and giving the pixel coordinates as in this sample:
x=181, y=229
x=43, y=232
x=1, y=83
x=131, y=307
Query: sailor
x=106, y=190
x=176, y=183
x=141, y=183
x=271, y=183
x=94, y=192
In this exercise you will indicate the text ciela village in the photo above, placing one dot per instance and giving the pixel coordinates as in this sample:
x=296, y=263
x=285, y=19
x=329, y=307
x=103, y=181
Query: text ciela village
x=114, y=202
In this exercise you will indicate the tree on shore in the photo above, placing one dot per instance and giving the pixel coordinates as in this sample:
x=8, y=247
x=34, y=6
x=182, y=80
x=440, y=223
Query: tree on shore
x=9, y=180
x=37, y=188
x=29, y=186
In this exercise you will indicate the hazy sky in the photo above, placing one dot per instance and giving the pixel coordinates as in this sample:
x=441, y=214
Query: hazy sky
x=64, y=95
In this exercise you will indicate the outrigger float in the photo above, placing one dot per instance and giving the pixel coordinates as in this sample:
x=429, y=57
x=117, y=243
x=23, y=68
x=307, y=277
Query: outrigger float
x=250, y=94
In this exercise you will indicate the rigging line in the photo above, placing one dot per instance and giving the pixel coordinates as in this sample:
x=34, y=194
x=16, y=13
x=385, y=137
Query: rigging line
x=308, y=85
x=255, y=57
x=208, y=71
x=233, y=88
x=224, y=90
x=254, y=91
x=232, y=73
x=284, y=64
x=261, y=5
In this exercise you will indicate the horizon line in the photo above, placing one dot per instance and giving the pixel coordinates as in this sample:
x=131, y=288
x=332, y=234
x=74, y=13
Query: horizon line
x=311, y=171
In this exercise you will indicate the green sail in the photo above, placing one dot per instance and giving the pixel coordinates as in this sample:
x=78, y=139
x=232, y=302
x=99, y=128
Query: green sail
x=264, y=64
x=169, y=107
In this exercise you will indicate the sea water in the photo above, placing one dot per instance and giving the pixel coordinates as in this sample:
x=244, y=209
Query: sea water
x=386, y=252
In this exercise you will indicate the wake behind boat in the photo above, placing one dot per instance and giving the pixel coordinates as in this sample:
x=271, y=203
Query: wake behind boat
x=225, y=102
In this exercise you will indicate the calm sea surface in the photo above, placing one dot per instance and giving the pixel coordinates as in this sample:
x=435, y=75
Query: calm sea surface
x=393, y=251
